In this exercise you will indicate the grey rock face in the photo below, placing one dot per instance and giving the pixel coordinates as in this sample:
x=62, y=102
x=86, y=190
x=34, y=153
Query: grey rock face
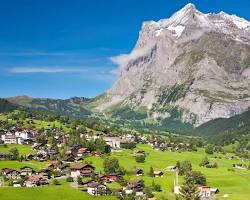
x=199, y=63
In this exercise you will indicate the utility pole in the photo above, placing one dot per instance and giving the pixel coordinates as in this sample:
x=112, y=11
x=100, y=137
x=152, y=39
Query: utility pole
x=176, y=183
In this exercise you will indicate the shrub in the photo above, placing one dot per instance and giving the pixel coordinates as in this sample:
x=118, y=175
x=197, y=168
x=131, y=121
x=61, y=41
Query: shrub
x=69, y=179
x=56, y=182
x=140, y=158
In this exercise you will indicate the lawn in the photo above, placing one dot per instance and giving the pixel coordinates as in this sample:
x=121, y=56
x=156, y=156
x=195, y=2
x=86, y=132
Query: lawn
x=23, y=149
x=62, y=192
x=17, y=165
x=235, y=184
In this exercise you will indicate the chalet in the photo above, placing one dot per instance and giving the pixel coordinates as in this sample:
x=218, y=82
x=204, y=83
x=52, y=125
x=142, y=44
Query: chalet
x=81, y=152
x=69, y=158
x=171, y=168
x=158, y=174
x=207, y=192
x=82, y=170
x=45, y=173
x=24, y=134
x=29, y=157
x=35, y=180
x=17, y=183
x=26, y=171
x=52, y=153
x=239, y=166
x=139, y=172
x=109, y=178
x=55, y=165
x=73, y=150
x=96, y=189
x=11, y=173
x=9, y=138
x=134, y=187
x=40, y=157
x=37, y=146
x=78, y=159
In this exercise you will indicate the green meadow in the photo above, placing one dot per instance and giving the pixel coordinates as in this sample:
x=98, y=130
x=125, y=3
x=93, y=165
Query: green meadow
x=22, y=149
x=62, y=192
x=233, y=185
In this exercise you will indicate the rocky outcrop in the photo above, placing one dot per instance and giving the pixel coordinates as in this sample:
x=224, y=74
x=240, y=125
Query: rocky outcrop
x=198, y=63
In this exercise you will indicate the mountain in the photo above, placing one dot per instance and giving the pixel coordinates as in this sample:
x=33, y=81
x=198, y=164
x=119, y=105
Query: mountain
x=190, y=68
x=218, y=126
x=6, y=106
x=189, y=73
x=73, y=107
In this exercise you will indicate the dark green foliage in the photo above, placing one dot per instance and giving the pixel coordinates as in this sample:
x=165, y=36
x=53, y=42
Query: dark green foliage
x=148, y=192
x=15, y=153
x=204, y=162
x=56, y=182
x=156, y=187
x=188, y=192
x=140, y=158
x=209, y=149
x=6, y=106
x=195, y=177
x=69, y=179
x=151, y=172
x=128, y=145
x=174, y=93
x=125, y=112
x=75, y=107
x=111, y=165
x=219, y=126
x=184, y=167
x=79, y=180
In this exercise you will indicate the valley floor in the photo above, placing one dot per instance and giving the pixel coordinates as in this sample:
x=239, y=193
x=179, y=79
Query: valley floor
x=233, y=185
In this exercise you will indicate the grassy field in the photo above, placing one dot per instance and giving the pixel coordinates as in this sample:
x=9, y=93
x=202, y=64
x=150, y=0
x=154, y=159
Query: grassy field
x=62, y=192
x=233, y=185
x=22, y=149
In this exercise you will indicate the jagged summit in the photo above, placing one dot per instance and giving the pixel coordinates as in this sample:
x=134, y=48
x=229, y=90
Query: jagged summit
x=193, y=63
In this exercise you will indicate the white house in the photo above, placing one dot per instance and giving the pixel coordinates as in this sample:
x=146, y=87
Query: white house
x=9, y=138
x=114, y=142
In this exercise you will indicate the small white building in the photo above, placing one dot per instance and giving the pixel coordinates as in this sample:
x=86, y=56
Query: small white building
x=114, y=142
x=96, y=189
x=9, y=138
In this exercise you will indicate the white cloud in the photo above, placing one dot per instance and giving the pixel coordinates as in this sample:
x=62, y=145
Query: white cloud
x=123, y=59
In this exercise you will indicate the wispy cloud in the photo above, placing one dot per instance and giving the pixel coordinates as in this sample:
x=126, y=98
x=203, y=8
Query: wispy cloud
x=25, y=70
x=123, y=59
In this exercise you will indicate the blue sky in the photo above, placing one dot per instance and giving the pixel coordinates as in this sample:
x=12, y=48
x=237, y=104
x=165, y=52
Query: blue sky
x=62, y=48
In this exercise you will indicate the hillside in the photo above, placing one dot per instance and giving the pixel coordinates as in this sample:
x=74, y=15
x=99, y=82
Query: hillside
x=193, y=64
x=74, y=107
x=6, y=106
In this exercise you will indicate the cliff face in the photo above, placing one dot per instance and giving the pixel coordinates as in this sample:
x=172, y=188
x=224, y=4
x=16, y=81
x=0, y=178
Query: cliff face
x=196, y=63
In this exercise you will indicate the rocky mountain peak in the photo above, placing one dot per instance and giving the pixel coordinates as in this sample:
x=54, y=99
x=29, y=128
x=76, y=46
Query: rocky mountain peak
x=194, y=63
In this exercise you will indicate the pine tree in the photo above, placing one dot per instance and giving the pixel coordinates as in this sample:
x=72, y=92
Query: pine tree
x=189, y=191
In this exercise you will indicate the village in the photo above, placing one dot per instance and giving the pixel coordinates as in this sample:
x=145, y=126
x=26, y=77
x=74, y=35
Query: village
x=83, y=175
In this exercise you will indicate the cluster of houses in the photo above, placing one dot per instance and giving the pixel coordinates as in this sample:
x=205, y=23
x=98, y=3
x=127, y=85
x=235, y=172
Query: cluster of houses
x=71, y=164
x=17, y=136
x=26, y=177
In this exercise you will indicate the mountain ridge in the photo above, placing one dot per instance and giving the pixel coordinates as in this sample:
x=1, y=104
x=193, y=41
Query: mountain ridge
x=200, y=60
